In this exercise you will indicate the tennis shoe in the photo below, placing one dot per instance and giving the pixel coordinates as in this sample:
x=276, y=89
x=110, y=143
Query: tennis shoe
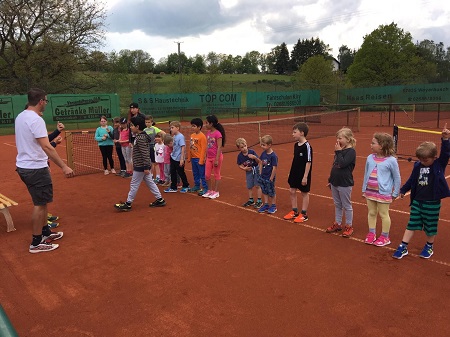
x=258, y=203
x=185, y=190
x=214, y=195
x=427, y=251
x=370, y=238
x=335, y=227
x=123, y=206
x=113, y=171
x=52, y=218
x=207, y=194
x=272, y=209
x=264, y=208
x=52, y=224
x=400, y=252
x=291, y=215
x=301, y=218
x=43, y=247
x=170, y=190
x=348, y=231
x=106, y=172
x=248, y=203
x=53, y=236
x=158, y=203
x=382, y=241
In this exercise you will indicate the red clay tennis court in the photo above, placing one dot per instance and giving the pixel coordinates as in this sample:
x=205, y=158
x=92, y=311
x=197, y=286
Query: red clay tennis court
x=212, y=268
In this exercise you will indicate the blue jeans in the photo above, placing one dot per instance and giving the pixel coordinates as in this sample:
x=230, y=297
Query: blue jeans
x=199, y=173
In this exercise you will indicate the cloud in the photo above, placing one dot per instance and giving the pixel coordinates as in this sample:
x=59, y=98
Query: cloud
x=239, y=26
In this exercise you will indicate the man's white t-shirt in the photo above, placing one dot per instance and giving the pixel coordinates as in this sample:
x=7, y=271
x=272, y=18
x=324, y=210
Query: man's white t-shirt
x=29, y=126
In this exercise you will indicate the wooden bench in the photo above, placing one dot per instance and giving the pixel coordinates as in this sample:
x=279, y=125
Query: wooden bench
x=6, y=202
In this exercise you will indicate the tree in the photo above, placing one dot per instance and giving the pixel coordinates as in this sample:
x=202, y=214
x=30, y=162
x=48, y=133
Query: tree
x=198, y=64
x=317, y=74
x=387, y=57
x=305, y=49
x=345, y=58
x=435, y=54
x=53, y=32
x=278, y=59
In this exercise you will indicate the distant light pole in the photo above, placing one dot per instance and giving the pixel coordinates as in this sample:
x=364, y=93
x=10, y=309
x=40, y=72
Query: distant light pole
x=179, y=61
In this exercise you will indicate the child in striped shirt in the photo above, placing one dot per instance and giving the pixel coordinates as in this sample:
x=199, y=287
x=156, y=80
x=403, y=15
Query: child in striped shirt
x=381, y=186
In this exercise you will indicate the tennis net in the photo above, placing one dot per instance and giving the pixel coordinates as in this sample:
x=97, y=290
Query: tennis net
x=408, y=139
x=84, y=157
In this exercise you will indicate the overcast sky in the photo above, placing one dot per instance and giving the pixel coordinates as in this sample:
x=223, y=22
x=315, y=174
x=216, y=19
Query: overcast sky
x=239, y=26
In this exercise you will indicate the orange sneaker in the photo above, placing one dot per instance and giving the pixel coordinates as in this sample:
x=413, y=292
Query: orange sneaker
x=290, y=216
x=301, y=218
x=335, y=227
x=348, y=231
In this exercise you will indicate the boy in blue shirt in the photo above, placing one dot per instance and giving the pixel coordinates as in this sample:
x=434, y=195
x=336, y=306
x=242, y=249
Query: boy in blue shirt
x=428, y=186
x=247, y=161
x=268, y=162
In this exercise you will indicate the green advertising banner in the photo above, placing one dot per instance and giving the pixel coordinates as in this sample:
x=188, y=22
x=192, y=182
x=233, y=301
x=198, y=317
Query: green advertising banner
x=64, y=108
x=283, y=98
x=173, y=104
x=401, y=94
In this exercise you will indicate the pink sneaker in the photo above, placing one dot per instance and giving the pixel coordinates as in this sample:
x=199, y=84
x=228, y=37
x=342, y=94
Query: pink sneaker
x=370, y=238
x=207, y=194
x=214, y=195
x=382, y=241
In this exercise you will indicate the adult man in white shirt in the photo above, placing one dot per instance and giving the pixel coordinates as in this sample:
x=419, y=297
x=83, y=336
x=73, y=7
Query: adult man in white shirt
x=33, y=152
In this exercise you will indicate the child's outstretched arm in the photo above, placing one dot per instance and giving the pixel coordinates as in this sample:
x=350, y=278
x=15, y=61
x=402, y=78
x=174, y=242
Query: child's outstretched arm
x=445, y=148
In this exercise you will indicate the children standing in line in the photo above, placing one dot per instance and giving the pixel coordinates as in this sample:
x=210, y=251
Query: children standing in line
x=177, y=158
x=197, y=155
x=214, y=157
x=116, y=139
x=159, y=156
x=247, y=160
x=126, y=149
x=268, y=163
x=168, y=143
x=104, y=137
x=141, y=167
x=428, y=186
x=381, y=186
x=300, y=173
x=341, y=181
x=152, y=130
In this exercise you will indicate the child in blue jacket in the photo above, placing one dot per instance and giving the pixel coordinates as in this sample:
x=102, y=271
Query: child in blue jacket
x=428, y=186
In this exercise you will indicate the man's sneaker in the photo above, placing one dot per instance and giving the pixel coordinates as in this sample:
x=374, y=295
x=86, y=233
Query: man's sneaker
x=170, y=190
x=214, y=195
x=348, y=231
x=301, y=218
x=158, y=203
x=248, y=203
x=335, y=227
x=264, y=208
x=207, y=194
x=52, y=224
x=400, y=252
x=195, y=189
x=51, y=218
x=370, y=238
x=123, y=206
x=382, y=241
x=427, y=251
x=290, y=216
x=52, y=237
x=43, y=247
x=185, y=190
x=258, y=203
x=272, y=209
